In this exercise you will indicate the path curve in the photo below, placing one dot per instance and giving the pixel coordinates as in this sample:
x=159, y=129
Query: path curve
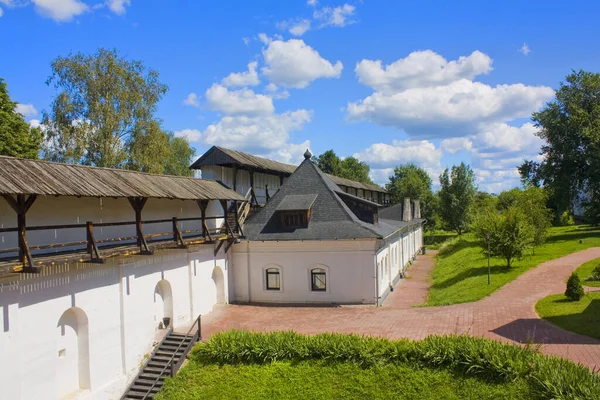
x=507, y=315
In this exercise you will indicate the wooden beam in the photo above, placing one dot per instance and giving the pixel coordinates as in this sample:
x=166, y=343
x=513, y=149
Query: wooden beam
x=177, y=234
x=203, y=204
x=11, y=202
x=224, y=205
x=252, y=193
x=91, y=244
x=21, y=205
x=219, y=247
x=138, y=203
x=229, y=244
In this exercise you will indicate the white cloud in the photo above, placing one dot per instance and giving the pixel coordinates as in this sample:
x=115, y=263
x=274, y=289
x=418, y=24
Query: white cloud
x=268, y=132
x=525, y=49
x=338, y=16
x=118, y=6
x=238, y=79
x=27, y=110
x=60, y=10
x=456, y=145
x=299, y=28
x=191, y=100
x=311, y=3
x=382, y=155
x=192, y=135
x=293, y=63
x=236, y=102
x=1, y=12
x=289, y=153
x=421, y=69
x=246, y=40
x=452, y=110
x=274, y=92
x=500, y=139
x=35, y=123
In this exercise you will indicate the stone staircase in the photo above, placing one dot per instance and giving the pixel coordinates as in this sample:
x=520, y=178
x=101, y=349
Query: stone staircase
x=164, y=361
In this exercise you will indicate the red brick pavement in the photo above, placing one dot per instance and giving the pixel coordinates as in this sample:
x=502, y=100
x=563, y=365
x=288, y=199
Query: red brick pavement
x=507, y=315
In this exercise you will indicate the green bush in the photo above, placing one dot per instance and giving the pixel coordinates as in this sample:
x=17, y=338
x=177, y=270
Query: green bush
x=595, y=274
x=549, y=377
x=574, y=288
x=565, y=219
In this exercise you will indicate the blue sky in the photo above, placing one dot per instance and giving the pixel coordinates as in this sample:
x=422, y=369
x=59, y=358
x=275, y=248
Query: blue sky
x=429, y=82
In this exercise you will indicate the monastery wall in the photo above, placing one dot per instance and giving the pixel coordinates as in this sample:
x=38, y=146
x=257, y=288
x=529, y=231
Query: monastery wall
x=82, y=330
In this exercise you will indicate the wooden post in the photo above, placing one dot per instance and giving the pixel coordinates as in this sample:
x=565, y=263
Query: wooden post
x=224, y=205
x=138, y=204
x=235, y=171
x=280, y=180
x=253, y=194
x=91, y=244
x=21, y=206
x=177, y=234
x=267, y=197
x=203, y=204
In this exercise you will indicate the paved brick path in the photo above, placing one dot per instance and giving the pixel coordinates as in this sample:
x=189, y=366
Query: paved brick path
x=507, y=315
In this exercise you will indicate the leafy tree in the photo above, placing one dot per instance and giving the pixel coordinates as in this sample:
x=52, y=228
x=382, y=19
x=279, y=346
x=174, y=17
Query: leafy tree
x=530, y=174
x=533, y=204
x=509, y=198
x=411, y=181
x=574, y=290
x=457, y=193
x=103, y=115
x=349, y=167
x=570, y=125
x=484, y=202
x=17, y=139
x=506, y=235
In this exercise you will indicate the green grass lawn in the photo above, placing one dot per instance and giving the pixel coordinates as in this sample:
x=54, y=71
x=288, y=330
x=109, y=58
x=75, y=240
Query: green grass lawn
x=460, y=273
x=577, y=316
x=434, y=239
x=585, y=270
x=317, y=380
x=287, y=365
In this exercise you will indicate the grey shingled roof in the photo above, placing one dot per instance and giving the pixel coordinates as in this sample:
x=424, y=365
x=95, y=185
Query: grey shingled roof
x=20, y=176
x=330, y=217
x=217, y=155
x=293, y=202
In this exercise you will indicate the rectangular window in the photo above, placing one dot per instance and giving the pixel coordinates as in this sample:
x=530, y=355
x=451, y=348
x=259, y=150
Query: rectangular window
x=319, y=280
x=294, y=219
x=273, y=279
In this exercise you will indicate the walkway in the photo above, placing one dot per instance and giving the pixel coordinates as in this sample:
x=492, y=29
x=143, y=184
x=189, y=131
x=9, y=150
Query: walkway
x=507, y=315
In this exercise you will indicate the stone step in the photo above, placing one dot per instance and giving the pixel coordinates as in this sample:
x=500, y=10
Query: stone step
x=148, y=382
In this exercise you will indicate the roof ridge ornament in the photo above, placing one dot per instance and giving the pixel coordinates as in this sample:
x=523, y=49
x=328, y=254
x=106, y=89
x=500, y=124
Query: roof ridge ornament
x=307, y=154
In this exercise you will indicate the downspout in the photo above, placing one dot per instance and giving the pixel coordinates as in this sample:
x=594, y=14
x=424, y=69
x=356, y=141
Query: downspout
x=248, y=270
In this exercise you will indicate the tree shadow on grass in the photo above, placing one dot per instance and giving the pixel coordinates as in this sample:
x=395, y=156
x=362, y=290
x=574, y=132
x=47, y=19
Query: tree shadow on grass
x=572, y=236
x=584, y=323
x=472, y=272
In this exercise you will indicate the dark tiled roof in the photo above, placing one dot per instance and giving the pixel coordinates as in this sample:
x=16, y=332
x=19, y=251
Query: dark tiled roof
x=392, y=212
x=221, y=156
x=330, y=217
x=20, y=176
x=297, y=202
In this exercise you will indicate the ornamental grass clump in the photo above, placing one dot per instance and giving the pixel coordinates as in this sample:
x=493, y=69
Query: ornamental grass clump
x=574, y=288
x=548, y=377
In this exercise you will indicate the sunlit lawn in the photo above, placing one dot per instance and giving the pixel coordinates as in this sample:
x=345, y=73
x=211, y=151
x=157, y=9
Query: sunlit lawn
x=315, y=380
x=581, y=316
x=585, y=270
x=460, y=273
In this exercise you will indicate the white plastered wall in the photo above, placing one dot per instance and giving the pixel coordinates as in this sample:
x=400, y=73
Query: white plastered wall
x=117, y=299
x=350, y=266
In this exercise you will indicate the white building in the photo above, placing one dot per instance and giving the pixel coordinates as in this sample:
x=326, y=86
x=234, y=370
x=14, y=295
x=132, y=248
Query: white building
x=315, y=243
x=95, y=261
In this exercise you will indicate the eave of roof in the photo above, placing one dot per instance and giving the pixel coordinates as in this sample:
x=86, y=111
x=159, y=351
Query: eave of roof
x=23, y=176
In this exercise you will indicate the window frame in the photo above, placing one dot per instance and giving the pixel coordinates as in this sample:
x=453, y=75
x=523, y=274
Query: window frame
x=314, y=272
x=272, y=271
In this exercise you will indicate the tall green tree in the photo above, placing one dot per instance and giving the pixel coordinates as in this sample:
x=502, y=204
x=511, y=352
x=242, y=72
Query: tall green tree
x=411, y=181
x=17, y=138
x=570, y=126
x=103, y=114
x=457, y=194
x=349, y=167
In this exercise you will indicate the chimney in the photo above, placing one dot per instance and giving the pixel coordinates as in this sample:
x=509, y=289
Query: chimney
x=406, y=213
x=417, y=209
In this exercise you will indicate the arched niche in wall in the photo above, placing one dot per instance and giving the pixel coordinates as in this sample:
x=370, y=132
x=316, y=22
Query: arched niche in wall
x=219, y=281
x=163, y=304
x=73, y=352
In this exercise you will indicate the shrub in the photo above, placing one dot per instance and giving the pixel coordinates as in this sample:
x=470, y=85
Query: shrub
x=566, y=219
x=549, y=377
x=574, y=288
x=595, y=274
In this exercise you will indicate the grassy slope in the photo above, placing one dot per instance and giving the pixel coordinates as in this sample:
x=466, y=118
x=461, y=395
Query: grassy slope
x=315, y=380
x=577, y=316
x=460, y=273
x=585, y=270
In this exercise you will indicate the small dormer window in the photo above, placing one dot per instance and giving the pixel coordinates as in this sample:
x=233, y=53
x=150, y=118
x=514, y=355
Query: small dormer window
x=294, y=211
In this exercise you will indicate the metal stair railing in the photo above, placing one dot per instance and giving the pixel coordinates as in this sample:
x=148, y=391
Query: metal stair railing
x=174, y=366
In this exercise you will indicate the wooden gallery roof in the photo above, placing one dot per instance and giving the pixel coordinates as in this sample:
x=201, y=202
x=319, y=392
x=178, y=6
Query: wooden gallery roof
x=226, y=157
x=20, y=176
